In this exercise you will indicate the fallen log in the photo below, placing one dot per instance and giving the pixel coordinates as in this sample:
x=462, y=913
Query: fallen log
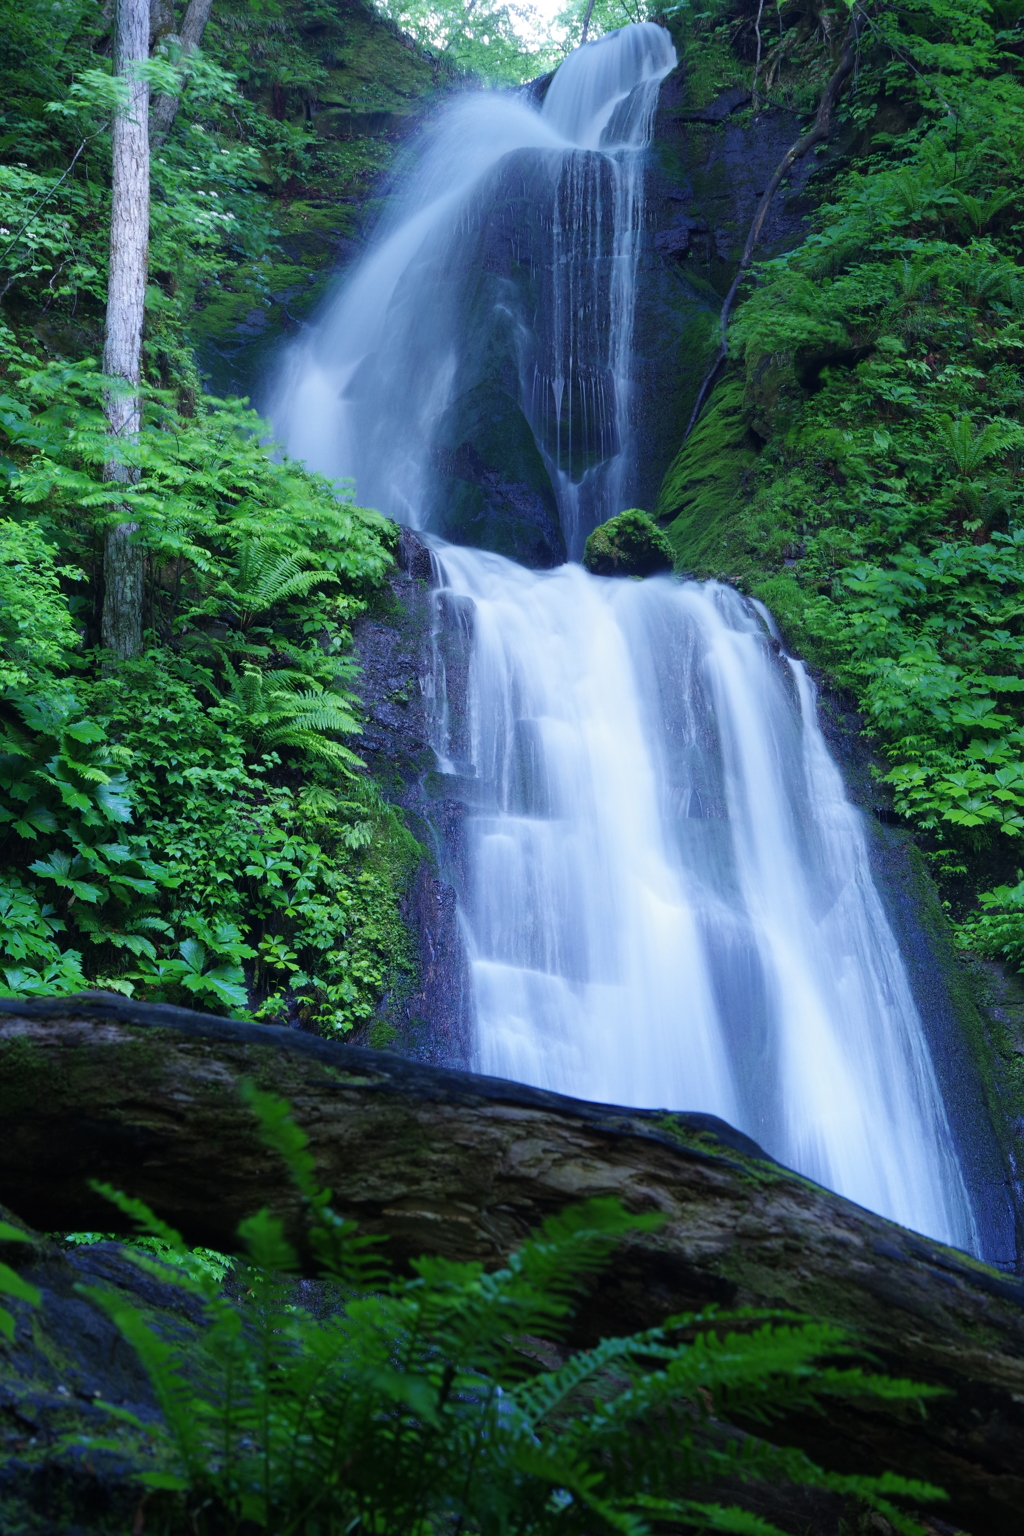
x=146, y=1097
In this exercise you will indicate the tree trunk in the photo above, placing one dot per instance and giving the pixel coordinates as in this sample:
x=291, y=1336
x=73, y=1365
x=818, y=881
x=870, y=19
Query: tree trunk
x=161, y=21
x=165, y=108
x=146, y=1097
x=123, y=556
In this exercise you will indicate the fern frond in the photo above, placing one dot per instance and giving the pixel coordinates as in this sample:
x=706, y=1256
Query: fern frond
x=708, y=1517
x=539, y=1396
x=186, y=1416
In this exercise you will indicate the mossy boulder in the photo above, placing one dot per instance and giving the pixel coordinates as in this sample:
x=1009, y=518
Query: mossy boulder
x=631, y=544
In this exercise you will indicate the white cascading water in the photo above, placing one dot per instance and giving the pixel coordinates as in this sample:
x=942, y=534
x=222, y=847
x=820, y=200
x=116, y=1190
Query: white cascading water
x=669, y=896
x=668, y=900
x=363, y=395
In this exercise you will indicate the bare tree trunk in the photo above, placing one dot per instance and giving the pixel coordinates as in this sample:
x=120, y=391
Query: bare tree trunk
x=161, y=21
x=757, y=61
x=123, y=556
x=147, y=1097
x=165, y=108
x=586, y=22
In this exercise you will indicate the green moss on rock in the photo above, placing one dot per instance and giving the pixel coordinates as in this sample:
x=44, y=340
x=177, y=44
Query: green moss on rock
x=631, y=544
x=703, y=492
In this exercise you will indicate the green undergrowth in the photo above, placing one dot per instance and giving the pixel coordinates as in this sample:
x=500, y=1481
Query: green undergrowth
x=192, y=826
x=859, y=467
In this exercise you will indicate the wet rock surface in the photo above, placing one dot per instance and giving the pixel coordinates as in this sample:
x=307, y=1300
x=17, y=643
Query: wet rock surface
x=66, y=1360
x=395, y=647
x=491, y=1160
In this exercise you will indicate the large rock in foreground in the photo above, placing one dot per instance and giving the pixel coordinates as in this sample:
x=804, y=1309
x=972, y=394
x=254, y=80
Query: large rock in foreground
x=446, y=1162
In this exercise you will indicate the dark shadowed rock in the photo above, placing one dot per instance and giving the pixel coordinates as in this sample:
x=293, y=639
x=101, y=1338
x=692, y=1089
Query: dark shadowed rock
x=451, y=1163
x=394, y=642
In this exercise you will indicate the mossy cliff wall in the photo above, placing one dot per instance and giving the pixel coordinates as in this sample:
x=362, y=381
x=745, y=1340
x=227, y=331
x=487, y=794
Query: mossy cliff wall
x=339, y=90
x=744, y=499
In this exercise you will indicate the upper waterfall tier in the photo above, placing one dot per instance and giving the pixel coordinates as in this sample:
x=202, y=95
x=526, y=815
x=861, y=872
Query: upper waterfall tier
x=472, y=375
x=599, y=98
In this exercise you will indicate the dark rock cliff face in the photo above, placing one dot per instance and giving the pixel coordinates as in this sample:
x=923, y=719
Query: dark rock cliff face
x=707, y=170
x=395, y=646
x=705, y=173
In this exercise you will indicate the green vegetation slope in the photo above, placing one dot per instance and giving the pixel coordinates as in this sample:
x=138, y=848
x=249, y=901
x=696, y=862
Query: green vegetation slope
x=858, y=466
x=189, y=826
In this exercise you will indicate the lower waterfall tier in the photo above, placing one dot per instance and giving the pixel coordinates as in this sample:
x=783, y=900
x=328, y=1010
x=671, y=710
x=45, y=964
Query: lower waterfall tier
x=668, y=900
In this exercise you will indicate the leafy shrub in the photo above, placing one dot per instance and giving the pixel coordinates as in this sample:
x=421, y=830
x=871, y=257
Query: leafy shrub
x=445, y=1400
x=37, y=634
x=245, y=889
x=160, y=830
x=998, y=929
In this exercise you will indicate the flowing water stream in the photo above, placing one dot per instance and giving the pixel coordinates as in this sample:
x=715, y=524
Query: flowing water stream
x=667, y=898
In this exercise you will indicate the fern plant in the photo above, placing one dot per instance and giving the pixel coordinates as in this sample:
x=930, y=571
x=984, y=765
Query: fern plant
x=285, y=708
x=443, y=1401
x=265, y=577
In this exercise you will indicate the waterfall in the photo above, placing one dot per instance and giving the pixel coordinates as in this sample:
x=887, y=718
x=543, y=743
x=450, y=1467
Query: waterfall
x=668, y=898
x=665, y=895
x=374, y=392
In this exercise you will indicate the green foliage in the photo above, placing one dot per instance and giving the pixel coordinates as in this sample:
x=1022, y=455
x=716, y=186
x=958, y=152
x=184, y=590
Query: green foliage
x=882, y=369
x=511, y=41
x=64, y=807
x=447, y=1397
x=11, y=1283
x=499, y=40
x=37, y=635
x=998, y=930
